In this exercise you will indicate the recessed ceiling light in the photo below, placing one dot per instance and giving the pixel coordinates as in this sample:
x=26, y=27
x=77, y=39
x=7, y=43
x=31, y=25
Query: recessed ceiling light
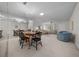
x=41, y=14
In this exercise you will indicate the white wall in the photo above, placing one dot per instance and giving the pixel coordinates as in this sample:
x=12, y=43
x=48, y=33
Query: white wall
x=75, y=19
x=59, y=26
x=8, y=25
x=62, y=26
x=48, y=26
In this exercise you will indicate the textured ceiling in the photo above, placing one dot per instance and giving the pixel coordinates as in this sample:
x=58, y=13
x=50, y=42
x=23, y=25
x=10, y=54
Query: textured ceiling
x=58, y=11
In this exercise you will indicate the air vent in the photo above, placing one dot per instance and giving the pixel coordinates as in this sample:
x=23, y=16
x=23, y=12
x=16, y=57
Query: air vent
x=24, y=3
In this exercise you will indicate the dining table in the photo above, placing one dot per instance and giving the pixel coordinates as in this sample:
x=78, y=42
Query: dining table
x=29, y=34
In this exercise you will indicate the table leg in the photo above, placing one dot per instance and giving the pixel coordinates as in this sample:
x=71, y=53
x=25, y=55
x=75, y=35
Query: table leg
x=30, y=42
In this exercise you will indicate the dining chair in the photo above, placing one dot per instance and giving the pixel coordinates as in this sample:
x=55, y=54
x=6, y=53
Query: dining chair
x=21, y=38
x=0, y=33
x=36, y=39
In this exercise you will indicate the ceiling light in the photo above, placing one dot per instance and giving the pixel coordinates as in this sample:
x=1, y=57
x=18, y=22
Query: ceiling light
x=41, y=14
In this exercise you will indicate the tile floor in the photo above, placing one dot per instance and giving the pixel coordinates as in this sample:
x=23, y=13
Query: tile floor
x=9, y=47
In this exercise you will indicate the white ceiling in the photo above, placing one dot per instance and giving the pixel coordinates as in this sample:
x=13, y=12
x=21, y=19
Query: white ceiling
x=58, y=11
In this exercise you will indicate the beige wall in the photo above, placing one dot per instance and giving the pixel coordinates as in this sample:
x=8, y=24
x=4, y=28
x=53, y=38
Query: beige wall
x=75, y=20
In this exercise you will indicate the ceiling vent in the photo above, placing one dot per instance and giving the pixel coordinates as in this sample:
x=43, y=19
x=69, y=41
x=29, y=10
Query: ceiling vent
x=24, y=3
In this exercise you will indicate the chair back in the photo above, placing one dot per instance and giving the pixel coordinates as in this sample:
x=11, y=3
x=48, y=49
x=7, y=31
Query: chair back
x=38, y=34
x=0, y=33
x=21, y=34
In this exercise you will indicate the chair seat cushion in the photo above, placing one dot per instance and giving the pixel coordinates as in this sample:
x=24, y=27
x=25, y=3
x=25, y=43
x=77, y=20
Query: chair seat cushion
x=36, y=39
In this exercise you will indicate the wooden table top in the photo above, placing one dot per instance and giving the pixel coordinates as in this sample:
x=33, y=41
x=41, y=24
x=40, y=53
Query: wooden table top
x=29, y=33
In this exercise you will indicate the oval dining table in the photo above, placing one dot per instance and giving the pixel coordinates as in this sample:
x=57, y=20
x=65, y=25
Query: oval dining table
x=29, y=34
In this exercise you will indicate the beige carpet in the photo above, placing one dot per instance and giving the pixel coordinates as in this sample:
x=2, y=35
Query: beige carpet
x=51, y=48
